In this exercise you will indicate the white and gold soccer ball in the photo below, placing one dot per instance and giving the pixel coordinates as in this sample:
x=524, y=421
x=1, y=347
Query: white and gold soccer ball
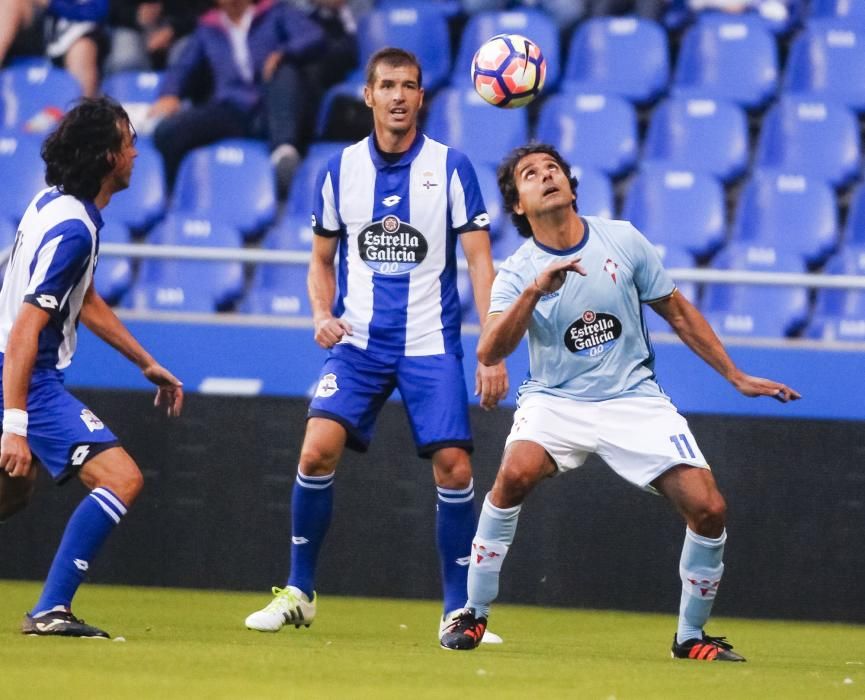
x=509, y=70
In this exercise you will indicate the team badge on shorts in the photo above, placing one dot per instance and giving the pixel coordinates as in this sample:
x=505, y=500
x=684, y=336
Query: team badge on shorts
x=91, y=421
x=327, y=386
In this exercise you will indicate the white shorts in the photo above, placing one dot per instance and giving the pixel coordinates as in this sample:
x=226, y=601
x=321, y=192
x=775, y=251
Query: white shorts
x=639, y=438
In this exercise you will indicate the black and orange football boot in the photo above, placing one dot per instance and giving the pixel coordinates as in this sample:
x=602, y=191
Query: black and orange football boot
x=705, y=649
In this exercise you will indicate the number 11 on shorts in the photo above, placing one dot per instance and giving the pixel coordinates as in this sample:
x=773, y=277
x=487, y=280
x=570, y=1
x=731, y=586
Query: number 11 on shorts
x=682, y=444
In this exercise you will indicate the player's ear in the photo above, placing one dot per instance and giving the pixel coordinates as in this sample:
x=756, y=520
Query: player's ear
x=367, y=95
x=420, y=104
x=518, y=208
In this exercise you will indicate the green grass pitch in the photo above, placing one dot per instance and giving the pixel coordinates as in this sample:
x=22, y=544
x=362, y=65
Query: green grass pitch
x=192, y=644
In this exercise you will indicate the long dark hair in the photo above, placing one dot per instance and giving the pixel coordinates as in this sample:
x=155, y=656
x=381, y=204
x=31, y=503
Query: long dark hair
x=508, y=185
x=79, y=152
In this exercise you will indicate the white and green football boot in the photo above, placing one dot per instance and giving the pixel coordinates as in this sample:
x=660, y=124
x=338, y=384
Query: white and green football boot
x=290, y=606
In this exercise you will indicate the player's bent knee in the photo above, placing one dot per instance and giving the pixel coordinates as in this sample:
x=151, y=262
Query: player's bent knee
x=452, y=468
x=711, y=517
x=114, y=469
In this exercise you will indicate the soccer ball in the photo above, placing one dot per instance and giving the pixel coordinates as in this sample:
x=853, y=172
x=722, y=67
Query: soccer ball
x=509, y=70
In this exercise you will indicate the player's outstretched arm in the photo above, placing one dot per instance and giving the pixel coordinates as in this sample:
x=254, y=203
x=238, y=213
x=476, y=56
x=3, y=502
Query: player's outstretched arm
x=503, y=332
x=694, y=330
x=18, y=362
x=491, y=381
x=321, y=284
x=103, y=322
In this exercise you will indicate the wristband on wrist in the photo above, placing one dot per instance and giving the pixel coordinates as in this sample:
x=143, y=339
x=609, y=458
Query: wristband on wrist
x=15, y=421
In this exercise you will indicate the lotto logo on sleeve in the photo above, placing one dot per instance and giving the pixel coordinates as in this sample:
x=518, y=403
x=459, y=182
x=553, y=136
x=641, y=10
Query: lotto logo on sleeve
x=391, y=246
x=91, y=421
x=592, y=333
x=327, y=386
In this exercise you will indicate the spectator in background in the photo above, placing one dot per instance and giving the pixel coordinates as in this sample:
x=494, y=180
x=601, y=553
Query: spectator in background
x=774, y=11
x=146, y=35
x=74, y=34
x=253, y=54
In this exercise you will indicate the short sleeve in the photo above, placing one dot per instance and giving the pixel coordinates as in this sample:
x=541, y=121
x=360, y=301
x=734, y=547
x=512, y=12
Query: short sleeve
x=507, y=286
x=58, y=266
x=652, y=280
x=467, y=209
x=325, y=215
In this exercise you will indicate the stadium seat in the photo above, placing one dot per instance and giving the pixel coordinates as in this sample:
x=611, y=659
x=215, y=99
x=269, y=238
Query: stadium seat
x=828, y=60
x=492, y=197
x=189, y=285
x=278, y=290
x=595, y=130
x=418, y=28
x=35, y=95
x=143, y=203
x=811, y=136
x=292, y=232
x=507, y=242
x=677, y=208
x=22, y=173
x=839, y=314
x=136, y=91
x=848, y=9
x=673, y=257
x=532, y=23
x=300, y=197
x=627, y=56
x=854, y=229
x=594, y=192
x=7, y=239
x=788, y=212
x=461, y=119
x=706, y=135
x=728, y=57
x=113, y=274
x=230, y=181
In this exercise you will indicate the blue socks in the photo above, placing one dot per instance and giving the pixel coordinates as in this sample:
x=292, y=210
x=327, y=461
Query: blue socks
x=87, y=529
x=311, y=511
x=700, y=569
x=455, y=527
x=496, y=530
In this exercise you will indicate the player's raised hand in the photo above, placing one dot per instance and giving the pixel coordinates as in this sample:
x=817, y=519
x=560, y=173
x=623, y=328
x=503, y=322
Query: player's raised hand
x=329, y=331
x=491, y=384
x=552, y=279
x=169, y=393
x=15, y=457
x=757, y=386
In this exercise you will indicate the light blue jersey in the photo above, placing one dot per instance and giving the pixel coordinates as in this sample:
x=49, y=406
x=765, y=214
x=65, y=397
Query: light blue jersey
x=588, y=341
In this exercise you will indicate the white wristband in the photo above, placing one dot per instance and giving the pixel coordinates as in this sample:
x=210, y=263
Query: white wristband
x=15, y=421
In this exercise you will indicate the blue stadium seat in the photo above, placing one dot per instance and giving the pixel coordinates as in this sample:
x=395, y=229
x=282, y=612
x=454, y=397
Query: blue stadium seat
x=627, y=56
x=507, y=242
x=300, y=197
x=788, y=212
x=278, y=290
x=854, y=229
x=292, y=232
x=708, y=135
x=418, y=28
x=828, y=60
x=532, y=23
x=593, y=129
x=113, y=274
x=136, y=91
x=678, y=208
x=35, y=96
x=811, y=136
x=594, y=192
x=461, y=119
x=230, y=181
x=728, y=57
x=7, y=238
x=840, y=314
x=492, y=197
x=189, y=285
x=143, y=203
x=673, y=257
x=447, y=8
x=848, y=9
x=22, y=173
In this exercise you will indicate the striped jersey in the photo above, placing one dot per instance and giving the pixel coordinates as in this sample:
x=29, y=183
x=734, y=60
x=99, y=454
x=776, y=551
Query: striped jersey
x=588, y=341
x=398, y=225
x=51, y=266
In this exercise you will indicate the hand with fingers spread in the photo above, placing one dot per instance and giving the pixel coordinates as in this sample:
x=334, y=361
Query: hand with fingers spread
x=552, y=279
x=329, y=331
x=491, y=384
x=169, y=393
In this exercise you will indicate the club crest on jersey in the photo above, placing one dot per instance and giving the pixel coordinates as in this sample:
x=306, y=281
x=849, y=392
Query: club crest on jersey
x=610, y=268
x=593, y=333
x=391, y=246
x=429, y=180
x=91, y=421
x=327, y=386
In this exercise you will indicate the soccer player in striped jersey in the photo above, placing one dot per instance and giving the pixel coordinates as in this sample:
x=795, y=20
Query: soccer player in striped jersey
x=47, y=289
x=577, y=287
x=388, y=213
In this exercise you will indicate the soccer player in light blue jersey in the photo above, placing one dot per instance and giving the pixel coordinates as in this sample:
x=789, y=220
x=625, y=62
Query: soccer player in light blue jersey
x=388, y=213
x=577, y=287
x=47, y=290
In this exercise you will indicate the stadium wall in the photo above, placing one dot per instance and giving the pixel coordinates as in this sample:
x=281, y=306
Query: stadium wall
x=215, y=513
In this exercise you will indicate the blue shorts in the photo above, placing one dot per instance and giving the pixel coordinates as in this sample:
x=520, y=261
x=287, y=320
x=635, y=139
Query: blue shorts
x=354, y=384
x=62, y=432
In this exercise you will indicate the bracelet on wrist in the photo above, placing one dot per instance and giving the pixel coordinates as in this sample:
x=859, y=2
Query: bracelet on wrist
x=543, y=291
x=15, y=421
